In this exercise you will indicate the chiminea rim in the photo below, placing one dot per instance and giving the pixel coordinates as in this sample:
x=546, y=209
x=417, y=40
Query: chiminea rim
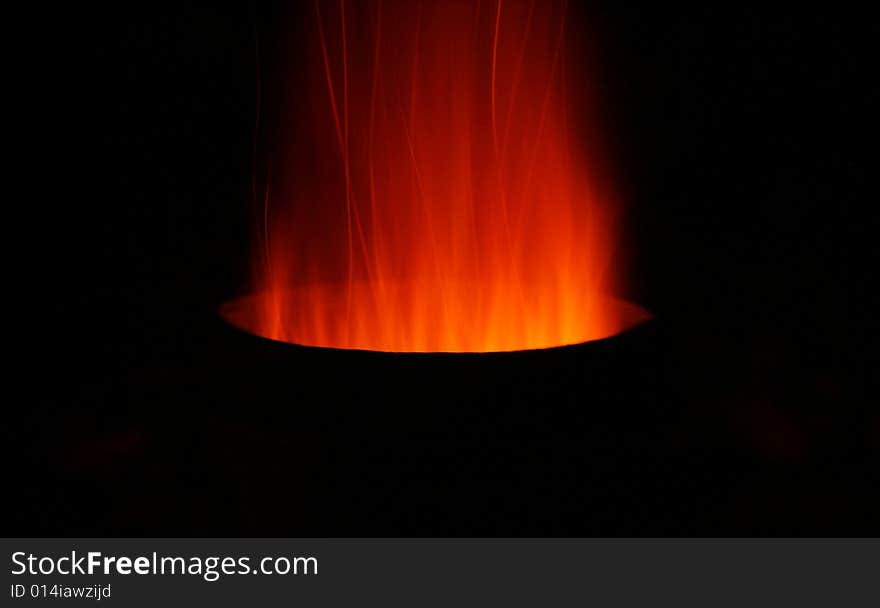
x=634, y=318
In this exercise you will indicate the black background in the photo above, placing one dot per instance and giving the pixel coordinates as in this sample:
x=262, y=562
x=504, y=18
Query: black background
x=742, y=137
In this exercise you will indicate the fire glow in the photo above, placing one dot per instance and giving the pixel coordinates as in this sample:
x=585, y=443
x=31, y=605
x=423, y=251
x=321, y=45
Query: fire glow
x=433, y=191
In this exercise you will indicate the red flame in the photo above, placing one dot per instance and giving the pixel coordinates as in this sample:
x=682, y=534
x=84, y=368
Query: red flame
x=435, y=193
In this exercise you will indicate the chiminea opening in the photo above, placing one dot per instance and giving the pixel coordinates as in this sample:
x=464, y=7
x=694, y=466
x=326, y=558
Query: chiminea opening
x=309, y=316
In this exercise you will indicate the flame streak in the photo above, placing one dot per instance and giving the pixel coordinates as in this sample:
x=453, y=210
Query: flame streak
x=431, y=196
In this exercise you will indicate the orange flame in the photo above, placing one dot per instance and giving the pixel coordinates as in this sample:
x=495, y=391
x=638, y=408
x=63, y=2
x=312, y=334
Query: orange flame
x=434, y=192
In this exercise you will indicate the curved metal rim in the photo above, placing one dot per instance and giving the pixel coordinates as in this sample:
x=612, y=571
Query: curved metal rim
x=638, y=317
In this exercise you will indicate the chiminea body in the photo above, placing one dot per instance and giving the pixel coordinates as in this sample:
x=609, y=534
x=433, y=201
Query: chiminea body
x=433, y=443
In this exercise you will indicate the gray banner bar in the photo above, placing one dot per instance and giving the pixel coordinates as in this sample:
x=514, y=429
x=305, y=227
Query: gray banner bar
x=441, y=572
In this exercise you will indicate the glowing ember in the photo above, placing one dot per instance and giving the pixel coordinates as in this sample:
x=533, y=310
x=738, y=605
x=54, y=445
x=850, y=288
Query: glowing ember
x=433, y=192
